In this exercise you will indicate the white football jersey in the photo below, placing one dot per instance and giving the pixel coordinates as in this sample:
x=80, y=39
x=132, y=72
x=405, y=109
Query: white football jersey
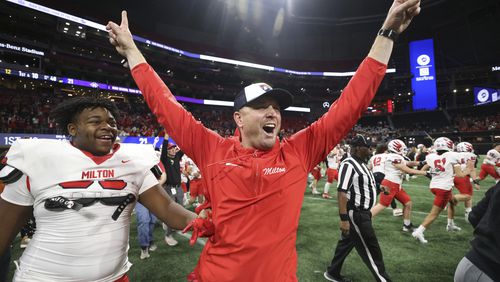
x=442, y=169
x=333, y=161
x=492, y=157
x=377, y=163
x=184, y=163
x=187, y=162
x=393, y=173
x=464, y=157
x=85, y=244
x=195, y=172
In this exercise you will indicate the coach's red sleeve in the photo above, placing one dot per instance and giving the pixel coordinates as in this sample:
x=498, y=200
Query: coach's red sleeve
x=317, y=140
x=191, y=136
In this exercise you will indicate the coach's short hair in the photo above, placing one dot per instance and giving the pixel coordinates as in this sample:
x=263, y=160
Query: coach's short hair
x=68, y=111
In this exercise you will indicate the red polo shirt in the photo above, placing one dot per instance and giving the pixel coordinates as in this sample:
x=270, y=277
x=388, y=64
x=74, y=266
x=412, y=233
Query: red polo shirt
x=255, y=195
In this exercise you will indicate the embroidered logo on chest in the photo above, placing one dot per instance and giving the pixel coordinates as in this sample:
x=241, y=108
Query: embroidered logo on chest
x=273, y=170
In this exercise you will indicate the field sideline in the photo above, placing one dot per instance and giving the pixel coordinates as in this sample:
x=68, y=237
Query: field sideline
x=405, y=258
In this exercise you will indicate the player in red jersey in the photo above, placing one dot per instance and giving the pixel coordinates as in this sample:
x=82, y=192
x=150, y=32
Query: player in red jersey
x=255, y=183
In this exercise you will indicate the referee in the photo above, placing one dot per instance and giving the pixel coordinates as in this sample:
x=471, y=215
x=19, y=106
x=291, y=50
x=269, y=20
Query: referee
x=356, y=196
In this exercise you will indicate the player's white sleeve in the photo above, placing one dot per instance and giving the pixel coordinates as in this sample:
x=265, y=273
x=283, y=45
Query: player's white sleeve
x=16, y=189
x=15, y=155
x=370, y=162
x=456, y=159
x=148, y=179
x=18, y=192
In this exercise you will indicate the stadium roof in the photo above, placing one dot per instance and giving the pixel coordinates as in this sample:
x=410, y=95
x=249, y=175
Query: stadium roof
x=294, y=32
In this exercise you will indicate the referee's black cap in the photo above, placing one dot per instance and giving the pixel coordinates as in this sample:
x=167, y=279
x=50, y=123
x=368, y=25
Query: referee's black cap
x=360, y=141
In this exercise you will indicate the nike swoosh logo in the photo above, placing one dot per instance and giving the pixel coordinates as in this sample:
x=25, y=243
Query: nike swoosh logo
x=231, y=164
x=125, y=161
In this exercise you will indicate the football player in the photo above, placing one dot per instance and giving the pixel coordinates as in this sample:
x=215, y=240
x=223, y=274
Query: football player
x=82, y=193
x=443, y=164
x=467, y=160
x=395, y=167
x=333, y=161
x=491, y=164
x=316, y=173
x=377, y=164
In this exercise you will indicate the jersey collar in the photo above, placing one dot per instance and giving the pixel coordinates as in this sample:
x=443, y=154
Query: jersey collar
x=99, y=159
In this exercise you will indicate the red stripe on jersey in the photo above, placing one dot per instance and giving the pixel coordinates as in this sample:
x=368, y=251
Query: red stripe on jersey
x=113, y=184
x=124, y=278
x=28, y=185
x=76, y=184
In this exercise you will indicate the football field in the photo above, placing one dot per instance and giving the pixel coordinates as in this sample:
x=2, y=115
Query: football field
x=318, y=233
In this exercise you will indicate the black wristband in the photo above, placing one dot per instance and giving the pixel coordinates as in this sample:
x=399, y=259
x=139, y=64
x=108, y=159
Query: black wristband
x=475, y=181
x=389, y=33
x=124, y=63
x=344, y=217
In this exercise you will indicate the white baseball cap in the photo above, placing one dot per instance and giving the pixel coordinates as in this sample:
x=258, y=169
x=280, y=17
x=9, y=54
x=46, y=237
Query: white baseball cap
x=258, y=90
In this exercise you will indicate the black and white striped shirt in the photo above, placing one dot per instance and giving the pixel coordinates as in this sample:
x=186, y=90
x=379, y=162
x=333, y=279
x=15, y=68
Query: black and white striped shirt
x=358, y=182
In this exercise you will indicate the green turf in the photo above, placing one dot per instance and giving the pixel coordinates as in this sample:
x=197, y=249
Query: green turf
x=405, y=258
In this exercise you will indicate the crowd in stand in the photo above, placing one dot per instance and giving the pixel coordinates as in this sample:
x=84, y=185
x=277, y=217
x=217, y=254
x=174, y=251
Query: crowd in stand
x=29, y=113
x=379, y=133
x=26, y=113
x=474, y=123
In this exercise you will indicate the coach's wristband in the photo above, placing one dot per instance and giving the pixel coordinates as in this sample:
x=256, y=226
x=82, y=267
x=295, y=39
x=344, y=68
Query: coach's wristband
x=389, y=33
x=344, y=217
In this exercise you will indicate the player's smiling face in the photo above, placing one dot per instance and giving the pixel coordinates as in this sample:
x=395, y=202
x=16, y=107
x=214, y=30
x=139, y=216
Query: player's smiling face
x=259, y=123
x=94, y=130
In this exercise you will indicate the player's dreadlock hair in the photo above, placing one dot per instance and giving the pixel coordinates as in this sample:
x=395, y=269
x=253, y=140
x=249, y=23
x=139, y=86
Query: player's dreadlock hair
x=68, y=111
